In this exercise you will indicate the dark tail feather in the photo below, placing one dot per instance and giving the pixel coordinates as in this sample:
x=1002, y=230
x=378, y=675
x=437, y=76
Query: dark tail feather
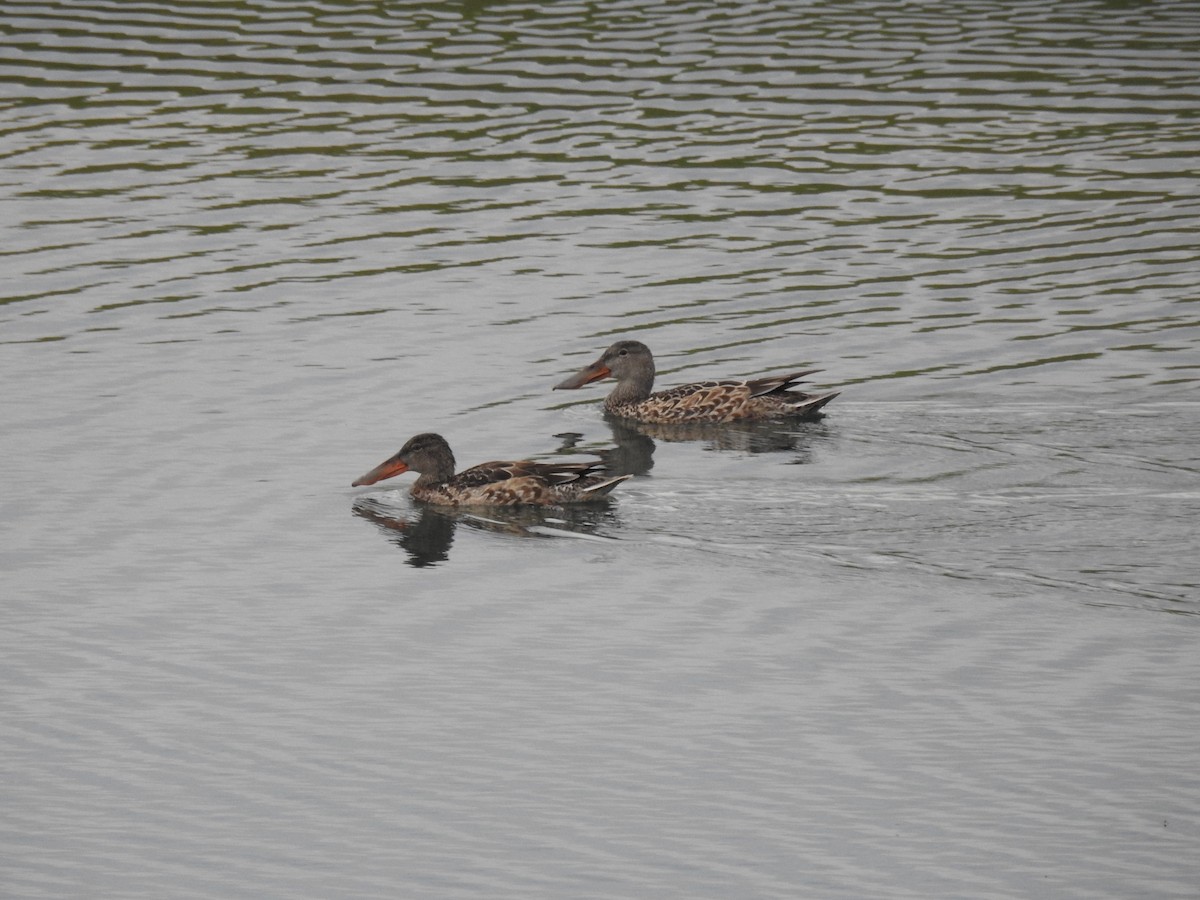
x=774, y=383
x=808, y=404
x=601, y=488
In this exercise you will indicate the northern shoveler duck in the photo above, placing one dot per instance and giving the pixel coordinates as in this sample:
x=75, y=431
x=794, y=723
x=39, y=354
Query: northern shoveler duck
x=632, y=365
x=492, y=483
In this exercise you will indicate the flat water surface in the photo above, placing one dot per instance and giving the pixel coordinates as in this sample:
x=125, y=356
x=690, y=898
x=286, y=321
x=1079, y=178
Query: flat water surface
x=940, y=643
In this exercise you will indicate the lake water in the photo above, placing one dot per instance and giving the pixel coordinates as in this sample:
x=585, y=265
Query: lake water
x=941, y=643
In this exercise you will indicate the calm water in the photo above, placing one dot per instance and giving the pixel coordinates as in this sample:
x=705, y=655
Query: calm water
x=942, y=643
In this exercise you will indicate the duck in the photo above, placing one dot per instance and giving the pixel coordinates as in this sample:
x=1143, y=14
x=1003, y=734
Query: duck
x=519, y=483
x=632, y=365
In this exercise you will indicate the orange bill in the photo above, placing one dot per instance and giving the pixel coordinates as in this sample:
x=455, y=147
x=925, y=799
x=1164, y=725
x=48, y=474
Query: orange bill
x=386, y=469
x=594, y=372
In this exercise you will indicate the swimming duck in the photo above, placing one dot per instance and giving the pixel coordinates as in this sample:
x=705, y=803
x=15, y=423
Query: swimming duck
x=632, y=365
x=492, y=483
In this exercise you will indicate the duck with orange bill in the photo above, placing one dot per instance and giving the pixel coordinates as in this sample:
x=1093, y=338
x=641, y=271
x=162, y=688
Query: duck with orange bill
x=632, y=365
x=522, y=482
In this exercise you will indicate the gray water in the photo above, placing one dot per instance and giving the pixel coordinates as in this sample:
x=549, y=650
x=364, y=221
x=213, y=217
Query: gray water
x=941, y=643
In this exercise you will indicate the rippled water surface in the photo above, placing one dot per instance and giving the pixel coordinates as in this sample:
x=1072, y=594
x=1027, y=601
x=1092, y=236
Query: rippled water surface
x=940, y=643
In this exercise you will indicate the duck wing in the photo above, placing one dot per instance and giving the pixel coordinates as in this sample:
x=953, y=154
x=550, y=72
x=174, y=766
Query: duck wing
x=499, y=471
x=776, y=383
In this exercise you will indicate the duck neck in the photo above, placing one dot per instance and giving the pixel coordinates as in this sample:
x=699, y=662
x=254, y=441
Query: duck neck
x=436, y=469
x=632, y=389
x=429, y=479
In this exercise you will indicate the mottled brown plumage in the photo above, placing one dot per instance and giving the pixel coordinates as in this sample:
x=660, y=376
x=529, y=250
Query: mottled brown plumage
x=492, y=483
x=632, y=365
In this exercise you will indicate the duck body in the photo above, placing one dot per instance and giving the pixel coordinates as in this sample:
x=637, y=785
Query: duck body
x=497, y=483
x=632, y=365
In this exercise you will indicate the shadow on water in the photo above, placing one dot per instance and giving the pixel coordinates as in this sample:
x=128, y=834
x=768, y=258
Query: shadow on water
x=426, y=533
x=635, y=441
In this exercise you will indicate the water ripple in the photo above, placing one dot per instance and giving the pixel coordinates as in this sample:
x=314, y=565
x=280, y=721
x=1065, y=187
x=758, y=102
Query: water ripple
x=241, y=241
x=914, y=156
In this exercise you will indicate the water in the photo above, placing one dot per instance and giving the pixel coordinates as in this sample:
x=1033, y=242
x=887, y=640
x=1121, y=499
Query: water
x=939, y=644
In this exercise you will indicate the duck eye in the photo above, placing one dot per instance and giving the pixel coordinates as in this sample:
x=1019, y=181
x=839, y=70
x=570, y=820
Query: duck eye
x=623, y=353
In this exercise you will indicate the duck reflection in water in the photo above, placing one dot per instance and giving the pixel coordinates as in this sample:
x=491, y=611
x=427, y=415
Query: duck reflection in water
x=426, y=537
x=633, y=453
x=425, y=532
